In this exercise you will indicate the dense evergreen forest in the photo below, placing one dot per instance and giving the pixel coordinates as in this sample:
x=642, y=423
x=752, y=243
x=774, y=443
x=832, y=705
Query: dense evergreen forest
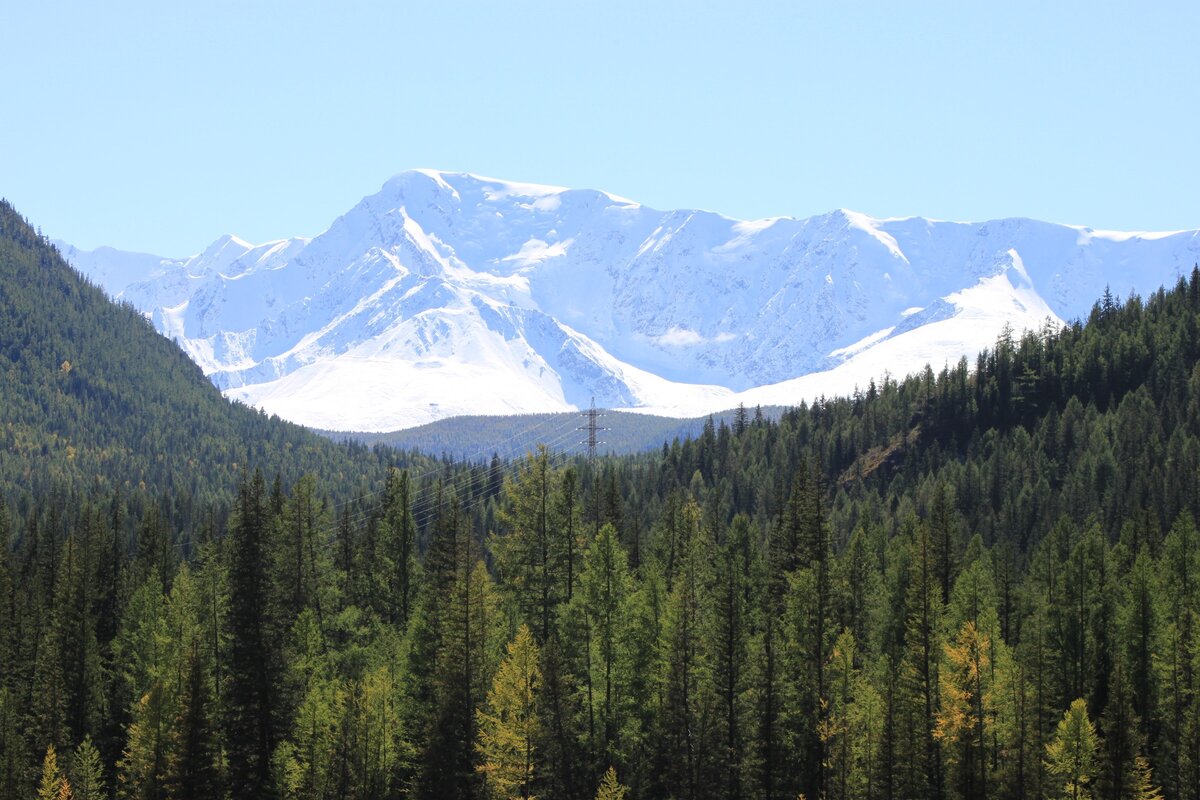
x=95, y=401
x=975, y=583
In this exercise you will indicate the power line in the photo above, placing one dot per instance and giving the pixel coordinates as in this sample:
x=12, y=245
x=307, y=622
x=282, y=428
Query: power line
x=592, y=415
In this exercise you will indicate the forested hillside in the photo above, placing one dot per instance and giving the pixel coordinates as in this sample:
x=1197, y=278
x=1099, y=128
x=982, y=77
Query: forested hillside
x=979, y=582
x=95, y=401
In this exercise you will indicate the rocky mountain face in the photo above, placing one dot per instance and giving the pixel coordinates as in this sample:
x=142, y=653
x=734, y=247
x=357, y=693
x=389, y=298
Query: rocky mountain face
x=447, y=294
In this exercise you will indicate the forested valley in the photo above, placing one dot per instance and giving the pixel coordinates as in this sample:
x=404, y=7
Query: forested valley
x=979, y=582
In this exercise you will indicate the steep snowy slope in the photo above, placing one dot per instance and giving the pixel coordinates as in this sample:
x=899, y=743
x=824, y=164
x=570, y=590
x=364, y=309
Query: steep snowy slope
x=116, y=269
x=450, y=293
x=961, y=324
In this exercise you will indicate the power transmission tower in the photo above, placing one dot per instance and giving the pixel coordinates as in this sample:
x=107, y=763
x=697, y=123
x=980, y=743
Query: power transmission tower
x=593, y=428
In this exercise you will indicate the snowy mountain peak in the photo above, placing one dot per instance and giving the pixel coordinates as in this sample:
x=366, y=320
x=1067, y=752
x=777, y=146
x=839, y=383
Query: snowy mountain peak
x=447, y=293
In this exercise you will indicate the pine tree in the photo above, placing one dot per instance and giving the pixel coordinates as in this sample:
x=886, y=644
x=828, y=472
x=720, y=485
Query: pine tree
x=741, y=419
x=1177, y=676
x=645, y=610
x=87, y=772
x=767, y=679
x=49, y=697
x=562, y=746
x=1122, y=740
x=943, y=538
x=1071, y=755
x=509, y=728
x=373, y=725
x=867, y=724
x=82, y=670
x=9, y=641
x=802, y=567
x=1019, y=754
x=1141, y=622
x=424, y=642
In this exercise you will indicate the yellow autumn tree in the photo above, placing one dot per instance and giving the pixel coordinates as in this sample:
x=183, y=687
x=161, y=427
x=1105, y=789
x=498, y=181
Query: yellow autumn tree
x=509, y=726
x=837, y=729
x=1143, y=782
x=54, y=785
x=967, y=711
x=610, y=789
x=1071, y=756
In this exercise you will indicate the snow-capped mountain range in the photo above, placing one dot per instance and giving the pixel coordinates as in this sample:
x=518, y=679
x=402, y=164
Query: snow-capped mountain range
x=449, y=293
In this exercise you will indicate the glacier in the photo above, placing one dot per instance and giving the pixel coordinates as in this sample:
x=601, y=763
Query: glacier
x=447, y=293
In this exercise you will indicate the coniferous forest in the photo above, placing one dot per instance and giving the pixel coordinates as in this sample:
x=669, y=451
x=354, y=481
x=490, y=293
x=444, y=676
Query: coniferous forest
x=970, y=583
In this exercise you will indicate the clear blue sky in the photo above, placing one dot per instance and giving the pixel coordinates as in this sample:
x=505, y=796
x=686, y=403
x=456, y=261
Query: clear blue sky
x=158, y=126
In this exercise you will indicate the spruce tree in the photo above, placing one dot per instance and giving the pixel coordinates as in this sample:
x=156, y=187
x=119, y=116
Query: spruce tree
x=252, y=675
x=14, y=757
x=730, y=632
x=566, y=524
x=528, y=554
x=686, y=679
x=922, y=656
x=398, y=549
x=447, y=639
x=604, y=588
x=839, y=731
x=192, y=771
x=313, y=749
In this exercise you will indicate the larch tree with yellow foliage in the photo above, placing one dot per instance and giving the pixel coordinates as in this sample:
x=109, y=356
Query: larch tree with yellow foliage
x=967, y=712
x=510, y=726
x=54, y=785
x=1071, y=756
x=1143, y=787
x=610, y=789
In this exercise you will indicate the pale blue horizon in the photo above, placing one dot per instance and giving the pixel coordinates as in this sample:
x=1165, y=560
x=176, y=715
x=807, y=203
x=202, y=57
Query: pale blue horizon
x=157, y=128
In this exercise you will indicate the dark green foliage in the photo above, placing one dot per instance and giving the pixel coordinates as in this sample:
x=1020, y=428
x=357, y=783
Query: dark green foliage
x=253, y=725
x=934, y=588
x=192, y=769
x=95, y=401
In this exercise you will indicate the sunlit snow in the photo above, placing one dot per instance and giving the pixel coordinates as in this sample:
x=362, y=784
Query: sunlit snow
x=449, y=293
